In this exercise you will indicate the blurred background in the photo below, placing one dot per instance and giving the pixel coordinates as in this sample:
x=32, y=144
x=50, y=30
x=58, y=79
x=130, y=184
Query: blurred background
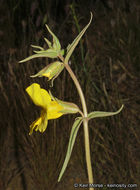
x=107, y=64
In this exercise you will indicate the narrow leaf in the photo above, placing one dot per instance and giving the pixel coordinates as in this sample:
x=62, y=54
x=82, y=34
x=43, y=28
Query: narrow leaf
x=72, y=46
x=103, y=114
x=50, y=54
x=73, y=135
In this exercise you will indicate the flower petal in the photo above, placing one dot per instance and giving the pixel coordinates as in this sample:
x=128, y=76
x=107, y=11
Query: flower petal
x=40, y=123
x=39, y=96
x=53, y=110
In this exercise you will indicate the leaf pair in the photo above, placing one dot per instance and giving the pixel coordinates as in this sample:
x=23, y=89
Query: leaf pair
x=74, y=132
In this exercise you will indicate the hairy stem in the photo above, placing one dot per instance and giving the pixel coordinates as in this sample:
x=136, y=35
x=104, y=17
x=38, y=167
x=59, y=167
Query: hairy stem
x=85, y=123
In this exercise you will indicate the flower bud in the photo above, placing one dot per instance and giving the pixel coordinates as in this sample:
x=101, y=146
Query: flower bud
x=51, y=71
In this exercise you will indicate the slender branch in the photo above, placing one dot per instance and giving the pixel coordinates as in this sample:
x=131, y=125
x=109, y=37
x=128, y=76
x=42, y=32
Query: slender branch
x=85, y=122
x=76, y=82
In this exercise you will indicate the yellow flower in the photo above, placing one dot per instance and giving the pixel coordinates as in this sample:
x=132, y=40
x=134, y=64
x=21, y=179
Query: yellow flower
x=51, y=108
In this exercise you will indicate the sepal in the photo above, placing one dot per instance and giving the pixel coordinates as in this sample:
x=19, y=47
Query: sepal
x=53, y=52
x=56, y=44
x=68, y=107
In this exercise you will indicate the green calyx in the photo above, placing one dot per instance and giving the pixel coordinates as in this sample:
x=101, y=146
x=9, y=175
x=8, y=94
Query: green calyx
x=53, y=51
x=51, y=71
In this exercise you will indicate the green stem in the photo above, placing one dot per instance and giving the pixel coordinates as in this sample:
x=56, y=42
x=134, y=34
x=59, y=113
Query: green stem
x=85, y=123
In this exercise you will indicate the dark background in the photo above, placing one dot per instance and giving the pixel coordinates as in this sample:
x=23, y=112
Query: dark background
x=107, y=64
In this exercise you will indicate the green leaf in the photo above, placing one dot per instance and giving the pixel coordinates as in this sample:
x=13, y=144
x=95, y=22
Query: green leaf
x=103, y=114
x=48, y=53
x=73, y=135
x=72, y=46
x=38, y=47
x=68, y=47
x=56, y=43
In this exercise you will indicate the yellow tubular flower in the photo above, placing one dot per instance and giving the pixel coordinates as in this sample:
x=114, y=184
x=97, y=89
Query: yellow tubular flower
x=50, y=109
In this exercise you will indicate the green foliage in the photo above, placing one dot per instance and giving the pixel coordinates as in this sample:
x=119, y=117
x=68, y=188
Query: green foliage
x=56, y=44
x=72, y=46
x=43, y=53
x=53, y=52
x=72, y=139
x=52, y=71
x=96, y=114
x=115, y=37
